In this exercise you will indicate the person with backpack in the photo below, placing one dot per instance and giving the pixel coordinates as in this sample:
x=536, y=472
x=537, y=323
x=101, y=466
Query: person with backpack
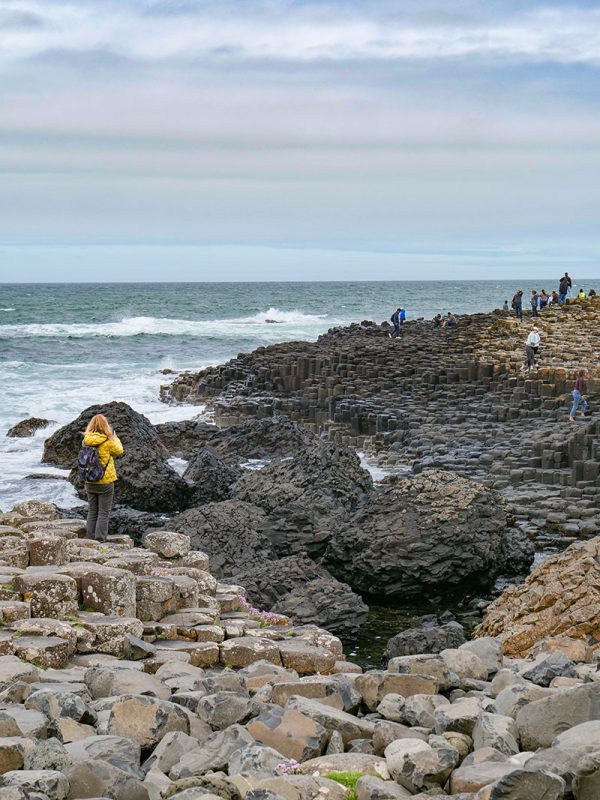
x=96, y=463
x=395, y=320
x=402, y=315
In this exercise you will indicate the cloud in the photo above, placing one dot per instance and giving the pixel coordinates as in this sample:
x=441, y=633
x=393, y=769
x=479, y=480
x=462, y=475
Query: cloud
x=305, y=33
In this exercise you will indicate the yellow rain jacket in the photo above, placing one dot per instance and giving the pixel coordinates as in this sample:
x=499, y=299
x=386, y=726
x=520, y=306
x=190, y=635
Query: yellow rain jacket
x=107, y=450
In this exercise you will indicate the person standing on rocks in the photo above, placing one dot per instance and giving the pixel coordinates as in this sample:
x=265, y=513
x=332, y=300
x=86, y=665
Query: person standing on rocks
x=534, y=303
x=395, y=320
x=531, y=347
x=100, y=493
x=563, y=288
x=543, y=299
x=578, y=395
x=402, y=315
x=517, y=304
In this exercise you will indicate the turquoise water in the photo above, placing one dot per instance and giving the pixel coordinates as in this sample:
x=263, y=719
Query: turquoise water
x=66, y=346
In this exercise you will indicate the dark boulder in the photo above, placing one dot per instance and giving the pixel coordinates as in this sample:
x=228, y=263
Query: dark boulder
x=146, y=481
x=305, y=497
x=271, y=437
x=306, y=592
x=211, y=477
x=430, y=533
x=429, y=638
x=27, y=427
x=183, y=438
x=129, y=522
x=229, y=533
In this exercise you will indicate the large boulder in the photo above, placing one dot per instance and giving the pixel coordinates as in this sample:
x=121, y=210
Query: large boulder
x=429, y=638
x=270, y=437
x=183, y=438
x=306, y=496
x=561, y=597
x=212, y=478
x=27, y=427
x=306, y=592
x=146, y=481
x=229, y=533
x=432, y=532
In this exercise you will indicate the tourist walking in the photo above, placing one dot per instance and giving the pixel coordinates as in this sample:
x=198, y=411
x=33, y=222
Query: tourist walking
x=395, y=320
x=101, y=446
x=517, y=304
x=535, y=299
x=532, y=344
x=578, y=394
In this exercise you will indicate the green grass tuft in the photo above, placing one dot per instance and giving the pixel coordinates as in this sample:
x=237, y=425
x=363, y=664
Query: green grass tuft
x=347, y=779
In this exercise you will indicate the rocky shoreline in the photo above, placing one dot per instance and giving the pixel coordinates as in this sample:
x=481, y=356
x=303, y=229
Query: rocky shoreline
x=196, y=654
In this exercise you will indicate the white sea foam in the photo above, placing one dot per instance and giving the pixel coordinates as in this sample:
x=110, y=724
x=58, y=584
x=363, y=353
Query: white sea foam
x=165, y=326
x=8, y=309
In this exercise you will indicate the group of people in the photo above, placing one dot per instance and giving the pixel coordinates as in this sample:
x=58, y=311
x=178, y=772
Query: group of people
x=449, y=321
x=541, y=300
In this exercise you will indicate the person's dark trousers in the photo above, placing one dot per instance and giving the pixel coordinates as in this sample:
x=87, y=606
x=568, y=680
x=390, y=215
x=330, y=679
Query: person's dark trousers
x=396, y=331
x=534, y=311
x=519, y=312
x=100, y=499
x=561, y=299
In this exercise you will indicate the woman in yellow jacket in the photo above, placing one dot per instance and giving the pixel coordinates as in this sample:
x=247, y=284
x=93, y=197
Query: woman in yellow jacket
x=100, y=493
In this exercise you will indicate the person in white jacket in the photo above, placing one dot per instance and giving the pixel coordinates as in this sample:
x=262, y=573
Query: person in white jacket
x=532, y=344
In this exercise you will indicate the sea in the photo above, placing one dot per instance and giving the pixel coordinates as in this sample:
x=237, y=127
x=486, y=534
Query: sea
x=64, y=347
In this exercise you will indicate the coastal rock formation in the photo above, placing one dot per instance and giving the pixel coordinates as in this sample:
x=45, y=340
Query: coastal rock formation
x=230, y=533
x=428, y=533
x=131, y=673
x=299, y=588
x=146, y=481
x=27, y=427
x=183, y=437
x=304, y=496
x=561, y=597
x=271, y=437
x=212, y=479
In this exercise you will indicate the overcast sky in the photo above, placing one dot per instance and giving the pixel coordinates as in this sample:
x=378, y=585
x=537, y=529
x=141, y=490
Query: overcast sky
x=248, y=139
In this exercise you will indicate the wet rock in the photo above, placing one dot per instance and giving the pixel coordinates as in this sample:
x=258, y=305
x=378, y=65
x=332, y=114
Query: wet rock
x=229, y=533
x=426, y=639
x=146, y=481
x=271, y=437
x=303, y=496
x=183, y=437
x=306, y=592
x=27, y=427
x=212, y=477
x=383, y=549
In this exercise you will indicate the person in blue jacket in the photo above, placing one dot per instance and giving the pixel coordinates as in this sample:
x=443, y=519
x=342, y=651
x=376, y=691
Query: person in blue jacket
x=402, y=315
x=395, y=320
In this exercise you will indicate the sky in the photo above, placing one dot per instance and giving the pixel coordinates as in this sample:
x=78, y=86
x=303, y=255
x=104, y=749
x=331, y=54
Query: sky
x=281, y=139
